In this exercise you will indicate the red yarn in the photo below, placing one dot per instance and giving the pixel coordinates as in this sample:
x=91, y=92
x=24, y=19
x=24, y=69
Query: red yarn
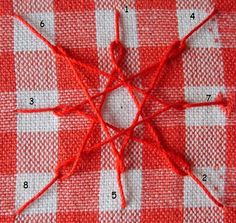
x=39, y=194
x=177, y=161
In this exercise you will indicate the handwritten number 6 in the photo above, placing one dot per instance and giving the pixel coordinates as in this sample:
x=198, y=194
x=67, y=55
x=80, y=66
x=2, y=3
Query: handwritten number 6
x=42, y=24
x=113, y=195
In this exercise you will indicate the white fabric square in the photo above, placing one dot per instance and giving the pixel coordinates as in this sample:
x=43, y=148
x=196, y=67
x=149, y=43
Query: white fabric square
x=37, y=99
x=119, y=108
x=25, y=40
x=204, y=116
x=29, y=184
x=106, y=32
x=129, y=28
x=212, y=179
x=105, y=27
x=206, y=37
x=109, y=197
x=37, y=122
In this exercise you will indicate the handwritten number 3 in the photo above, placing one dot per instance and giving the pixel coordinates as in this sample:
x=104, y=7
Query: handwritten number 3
x=31, y=101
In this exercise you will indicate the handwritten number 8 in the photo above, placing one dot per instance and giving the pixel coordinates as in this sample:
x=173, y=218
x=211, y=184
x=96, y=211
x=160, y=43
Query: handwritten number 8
x=25, y=185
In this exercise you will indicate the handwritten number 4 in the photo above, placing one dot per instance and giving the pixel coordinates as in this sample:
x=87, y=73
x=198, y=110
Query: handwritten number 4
x=192, y=16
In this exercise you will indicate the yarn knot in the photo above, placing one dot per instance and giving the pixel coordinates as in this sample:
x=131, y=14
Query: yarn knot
x=120, y=166
x=58, y=50
x=179, y=105
x=60, y=170
x=61, y=110
x=178, y=162
x=177, y=48
x=227, y=104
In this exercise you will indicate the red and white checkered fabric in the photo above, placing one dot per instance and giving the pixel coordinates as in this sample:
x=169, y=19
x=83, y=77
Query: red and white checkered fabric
x=31, y=145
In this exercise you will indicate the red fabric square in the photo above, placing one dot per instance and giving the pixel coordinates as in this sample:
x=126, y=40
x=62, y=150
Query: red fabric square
x=230, y=146
x=230, y=215
x=154, y=215
x=6, y=7
x=150, y=4
x=79, y=193
x=162, y=189
x=7, y=152
x=7, y=78
x=172, y=76
x=6, y=33
x=66, y=78
x=226, y=5
x=230, y=187
x=78, y=216
x=172, y=138
x=227, y=23
x=229, y=57
x=70, y=142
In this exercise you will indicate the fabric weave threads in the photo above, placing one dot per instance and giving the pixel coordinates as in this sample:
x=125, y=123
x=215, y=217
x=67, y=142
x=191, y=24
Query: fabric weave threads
x=174, y=159
x=33, y=145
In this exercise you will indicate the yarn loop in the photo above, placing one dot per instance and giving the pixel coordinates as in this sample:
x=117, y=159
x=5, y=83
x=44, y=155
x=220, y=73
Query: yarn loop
x=177, y=161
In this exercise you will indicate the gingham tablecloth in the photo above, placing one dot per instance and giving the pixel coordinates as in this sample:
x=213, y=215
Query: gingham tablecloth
x=31, y=145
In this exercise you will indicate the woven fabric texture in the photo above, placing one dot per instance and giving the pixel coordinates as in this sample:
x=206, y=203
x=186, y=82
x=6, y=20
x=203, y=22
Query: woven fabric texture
x=33, y=77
